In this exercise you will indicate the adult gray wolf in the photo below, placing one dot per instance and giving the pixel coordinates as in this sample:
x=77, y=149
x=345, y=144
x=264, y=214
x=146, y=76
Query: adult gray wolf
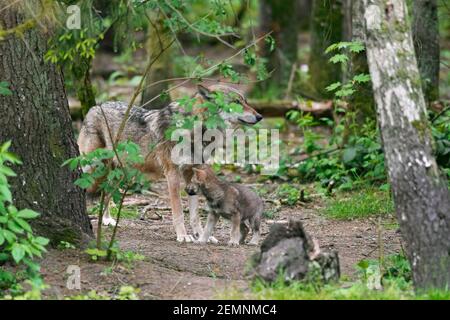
x=147, y=129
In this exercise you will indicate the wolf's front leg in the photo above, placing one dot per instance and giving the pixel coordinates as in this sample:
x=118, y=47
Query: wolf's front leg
x=173, y=182
x=106, y=219
x=210, y=224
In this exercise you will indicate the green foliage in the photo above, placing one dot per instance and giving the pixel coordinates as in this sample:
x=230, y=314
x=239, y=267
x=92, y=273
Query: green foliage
x=440, y=130
x=216, y=103
x=116, y=254
x=116, y=169
x=289, y=194
x=359, y=204
x=63, y=245
x=4, y=89
x=18, y=244
x=346, y=49
x=328, y=160
x=114, y=178
x=125, y=293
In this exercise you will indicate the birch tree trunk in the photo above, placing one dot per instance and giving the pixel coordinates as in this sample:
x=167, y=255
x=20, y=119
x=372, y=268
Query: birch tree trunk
x=420, y=192
x=35, y=117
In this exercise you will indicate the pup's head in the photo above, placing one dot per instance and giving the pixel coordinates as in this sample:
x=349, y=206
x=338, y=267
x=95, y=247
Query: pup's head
x=248, y=114
x=203, y=176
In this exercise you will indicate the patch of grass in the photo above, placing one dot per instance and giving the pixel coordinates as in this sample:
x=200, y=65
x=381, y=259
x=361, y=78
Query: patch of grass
x=360, y=204
x=131, y=212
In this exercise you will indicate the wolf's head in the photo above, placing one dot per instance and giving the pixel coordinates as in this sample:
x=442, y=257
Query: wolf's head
x=248, y=114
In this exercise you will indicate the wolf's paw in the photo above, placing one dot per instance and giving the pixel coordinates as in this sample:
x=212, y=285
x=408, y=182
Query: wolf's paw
x=213, y=240
x=253, y=243
x=109, y=222
x=185, y=238
x=232, y=243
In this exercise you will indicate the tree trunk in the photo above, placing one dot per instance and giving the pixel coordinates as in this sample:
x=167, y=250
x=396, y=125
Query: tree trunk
x=304, y=14
x=362, y=101
x=36, y=118
x=426, y=42
x=281, y=18
x=420, y=192
x=326, y=29
x=158, y=39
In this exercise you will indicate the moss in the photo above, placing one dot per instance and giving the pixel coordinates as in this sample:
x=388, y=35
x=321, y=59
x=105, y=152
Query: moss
x=421, y=127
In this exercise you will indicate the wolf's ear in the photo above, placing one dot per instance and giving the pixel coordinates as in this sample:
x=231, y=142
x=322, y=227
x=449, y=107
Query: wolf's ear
x=204, y=92
x=199, y=174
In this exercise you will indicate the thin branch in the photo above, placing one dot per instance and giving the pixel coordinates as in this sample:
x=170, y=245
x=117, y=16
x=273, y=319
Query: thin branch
x=216, y=36
x=207, y=70
x=136, y=92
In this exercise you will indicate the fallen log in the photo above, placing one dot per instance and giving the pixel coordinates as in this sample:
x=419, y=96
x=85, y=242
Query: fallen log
x=278, y=108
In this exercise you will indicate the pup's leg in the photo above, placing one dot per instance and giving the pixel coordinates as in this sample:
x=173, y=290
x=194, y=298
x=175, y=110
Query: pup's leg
x=256, y=224
x=173, y=182
x=235, y=234
x=193, y=216
x=210, y=224
x=191, y=189
x=244, y=232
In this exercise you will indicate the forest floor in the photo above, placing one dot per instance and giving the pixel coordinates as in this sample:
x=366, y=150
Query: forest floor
x=171, y=270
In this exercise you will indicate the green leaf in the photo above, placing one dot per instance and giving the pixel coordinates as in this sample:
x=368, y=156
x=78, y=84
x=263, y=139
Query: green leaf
x=14, y=227
x=96, y=252
x=27, y=214
x=333, y=86
x=23, y=224
x=339, y=58
x=349, y=154
x=9, y=236
x=4, y=190
x=84, y=182
x=363, y=264
x=41, y=241
x=5, y=91
x=2, y=238
x=5, y=146
x=7, y=171
x=356, y=47
x=17, y=252
x=361, y=78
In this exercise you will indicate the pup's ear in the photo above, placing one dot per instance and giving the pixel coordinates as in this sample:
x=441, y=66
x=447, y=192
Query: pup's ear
x=204, y=92
x=199, y=174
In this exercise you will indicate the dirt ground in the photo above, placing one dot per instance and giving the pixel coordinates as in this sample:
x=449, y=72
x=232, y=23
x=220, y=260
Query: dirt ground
x=172, y=270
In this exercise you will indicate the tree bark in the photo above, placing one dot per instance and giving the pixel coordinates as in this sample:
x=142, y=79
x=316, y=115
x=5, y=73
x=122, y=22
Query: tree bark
x=426, y=42
x=281, y=18
x=420, y=192
x=36, y=118
x=362, y=101
x=304, y=14
x=326, y=29
x=158, y=39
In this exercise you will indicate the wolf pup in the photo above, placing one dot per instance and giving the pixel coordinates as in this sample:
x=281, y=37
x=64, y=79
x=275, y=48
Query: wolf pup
x=147, y=128
x=231, y=201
